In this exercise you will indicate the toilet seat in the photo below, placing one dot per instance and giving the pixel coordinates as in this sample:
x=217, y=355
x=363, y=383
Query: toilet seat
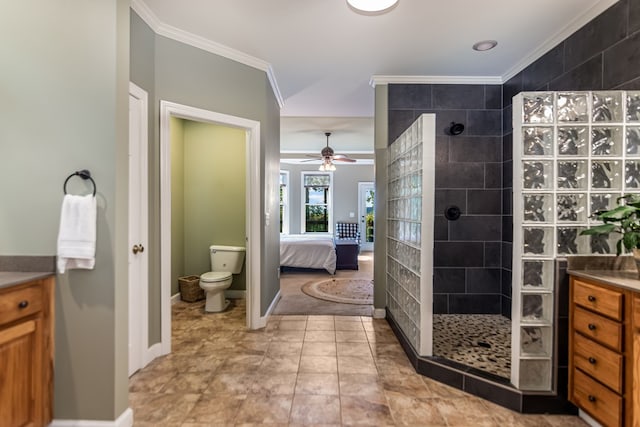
x=215, y=276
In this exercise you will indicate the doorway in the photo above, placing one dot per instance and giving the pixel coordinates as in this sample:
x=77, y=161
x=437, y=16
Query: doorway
x=138, y=230
x=252, y=220
x=366, y=205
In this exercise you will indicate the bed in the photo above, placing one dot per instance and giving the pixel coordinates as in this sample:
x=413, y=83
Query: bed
x=308, y=251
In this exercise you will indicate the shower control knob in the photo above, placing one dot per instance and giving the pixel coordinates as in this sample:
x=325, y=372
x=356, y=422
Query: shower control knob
x=452, y=213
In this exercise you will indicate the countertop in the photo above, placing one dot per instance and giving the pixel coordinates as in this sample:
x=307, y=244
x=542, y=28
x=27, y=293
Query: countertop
x=616, y=271
x=623, y=279
x=11, y=278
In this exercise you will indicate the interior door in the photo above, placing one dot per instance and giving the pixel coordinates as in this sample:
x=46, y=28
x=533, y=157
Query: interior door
x=366, y=203
x=138, y=226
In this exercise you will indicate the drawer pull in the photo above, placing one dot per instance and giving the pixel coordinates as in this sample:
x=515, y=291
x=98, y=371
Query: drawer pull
x=23, y=304
x=592, y=398
x=592, y=360
x=591, y=298
x=592, y=327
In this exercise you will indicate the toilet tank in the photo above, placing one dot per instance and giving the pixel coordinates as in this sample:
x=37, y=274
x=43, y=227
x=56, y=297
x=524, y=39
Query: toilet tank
x=226, y=258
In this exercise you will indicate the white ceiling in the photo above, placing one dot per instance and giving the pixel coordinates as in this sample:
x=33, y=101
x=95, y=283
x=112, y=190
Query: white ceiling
x=322, y=55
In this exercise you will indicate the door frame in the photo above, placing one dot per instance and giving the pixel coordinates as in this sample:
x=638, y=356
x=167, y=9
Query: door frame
x=363, y=230
x=253, y=218
x=139, y=318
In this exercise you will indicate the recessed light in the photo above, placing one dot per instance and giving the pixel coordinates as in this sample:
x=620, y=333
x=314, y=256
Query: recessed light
x=372, y=5
x=484, y=45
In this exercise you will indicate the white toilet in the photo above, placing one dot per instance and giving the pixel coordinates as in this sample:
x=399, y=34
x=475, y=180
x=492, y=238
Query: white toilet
x=225, y=261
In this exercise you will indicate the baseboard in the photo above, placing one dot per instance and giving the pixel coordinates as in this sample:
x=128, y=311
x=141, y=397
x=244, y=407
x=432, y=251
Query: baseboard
x=262, y=322
x=124, y=420
x=152, y=352
x=235, y=294
x=175, y=298
x=587, y=419
x=379, y=313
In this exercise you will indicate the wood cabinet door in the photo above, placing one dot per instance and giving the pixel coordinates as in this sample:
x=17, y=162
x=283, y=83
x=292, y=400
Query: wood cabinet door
x=20, y=372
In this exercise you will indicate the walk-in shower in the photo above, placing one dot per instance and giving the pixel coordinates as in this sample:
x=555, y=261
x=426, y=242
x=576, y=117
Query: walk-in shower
x=573, y=154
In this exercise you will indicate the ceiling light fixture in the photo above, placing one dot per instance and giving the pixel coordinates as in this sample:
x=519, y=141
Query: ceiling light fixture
x=372, y=5
x=485, y=45
x=327, y=165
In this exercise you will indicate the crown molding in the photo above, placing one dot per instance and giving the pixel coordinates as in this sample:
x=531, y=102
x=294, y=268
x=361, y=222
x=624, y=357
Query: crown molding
x=458, y=80
x=580, y=21
x=160, y=28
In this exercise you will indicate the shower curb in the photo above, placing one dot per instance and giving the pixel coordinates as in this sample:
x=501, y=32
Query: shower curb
x=478, y=383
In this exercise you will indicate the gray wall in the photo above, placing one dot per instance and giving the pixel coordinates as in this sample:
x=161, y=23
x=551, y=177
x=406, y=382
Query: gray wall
x=193, y=77
x=64, y=74
x=142, y=73
x=345, y=191
x=601, y=55
x=381, y=137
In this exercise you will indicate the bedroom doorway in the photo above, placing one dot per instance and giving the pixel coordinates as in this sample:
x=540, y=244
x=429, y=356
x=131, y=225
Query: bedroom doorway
x=366, y=205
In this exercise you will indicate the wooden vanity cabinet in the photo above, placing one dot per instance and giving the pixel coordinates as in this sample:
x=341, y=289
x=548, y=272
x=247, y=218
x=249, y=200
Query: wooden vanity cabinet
x=604, y=344
x=26, y=353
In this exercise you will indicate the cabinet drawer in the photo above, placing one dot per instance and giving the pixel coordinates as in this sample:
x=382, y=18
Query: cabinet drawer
x=604, y=301
x=603, y=330
x=21, y=302
x=600, y=402
x=601, y=363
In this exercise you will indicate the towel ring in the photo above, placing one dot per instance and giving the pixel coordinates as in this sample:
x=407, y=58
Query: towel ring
x=84, y=174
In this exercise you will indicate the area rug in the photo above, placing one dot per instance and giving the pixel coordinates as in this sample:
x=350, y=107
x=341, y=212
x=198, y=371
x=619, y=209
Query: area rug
x=346, y=291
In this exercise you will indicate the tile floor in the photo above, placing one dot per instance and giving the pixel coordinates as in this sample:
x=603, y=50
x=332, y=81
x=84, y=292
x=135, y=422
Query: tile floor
x=300, y=370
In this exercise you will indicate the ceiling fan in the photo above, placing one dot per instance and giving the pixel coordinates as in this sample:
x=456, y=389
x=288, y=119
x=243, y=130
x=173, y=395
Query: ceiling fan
x=328, y=156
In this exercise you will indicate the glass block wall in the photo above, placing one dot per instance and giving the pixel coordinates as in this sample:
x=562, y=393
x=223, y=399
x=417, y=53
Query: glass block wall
x=410, y=223
x=574, y=153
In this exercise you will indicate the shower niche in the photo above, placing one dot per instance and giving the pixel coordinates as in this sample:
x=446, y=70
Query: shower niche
x=574, y=153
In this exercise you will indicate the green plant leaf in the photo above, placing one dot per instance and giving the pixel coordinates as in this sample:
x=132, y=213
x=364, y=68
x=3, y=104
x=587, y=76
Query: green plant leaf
x=618, y=213
x=600, y=229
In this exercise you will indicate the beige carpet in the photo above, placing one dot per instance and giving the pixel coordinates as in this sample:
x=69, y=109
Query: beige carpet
x=295, y=302
x=347, y=291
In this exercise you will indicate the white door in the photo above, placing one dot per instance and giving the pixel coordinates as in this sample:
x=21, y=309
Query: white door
x=138, y=229
x=366, y=203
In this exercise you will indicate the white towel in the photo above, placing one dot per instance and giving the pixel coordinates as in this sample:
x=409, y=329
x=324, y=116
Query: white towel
x=77, y=235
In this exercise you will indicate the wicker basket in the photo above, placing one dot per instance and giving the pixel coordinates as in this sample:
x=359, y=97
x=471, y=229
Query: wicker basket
x=190, y=290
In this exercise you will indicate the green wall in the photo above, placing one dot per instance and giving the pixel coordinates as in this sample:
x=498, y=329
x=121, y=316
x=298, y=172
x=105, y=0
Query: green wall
x=64, y=89
x=211, y=160
x=176, y=127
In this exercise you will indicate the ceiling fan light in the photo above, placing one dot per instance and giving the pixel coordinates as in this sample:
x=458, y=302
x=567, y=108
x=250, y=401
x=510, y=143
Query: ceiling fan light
x=371, y=5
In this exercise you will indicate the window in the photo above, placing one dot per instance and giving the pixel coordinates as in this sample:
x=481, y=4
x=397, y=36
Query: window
x=284, y=202
x=316, y=199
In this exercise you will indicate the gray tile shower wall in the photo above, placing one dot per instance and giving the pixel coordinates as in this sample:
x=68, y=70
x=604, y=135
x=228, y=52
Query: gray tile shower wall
x=604, y=54
x=467, y=261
